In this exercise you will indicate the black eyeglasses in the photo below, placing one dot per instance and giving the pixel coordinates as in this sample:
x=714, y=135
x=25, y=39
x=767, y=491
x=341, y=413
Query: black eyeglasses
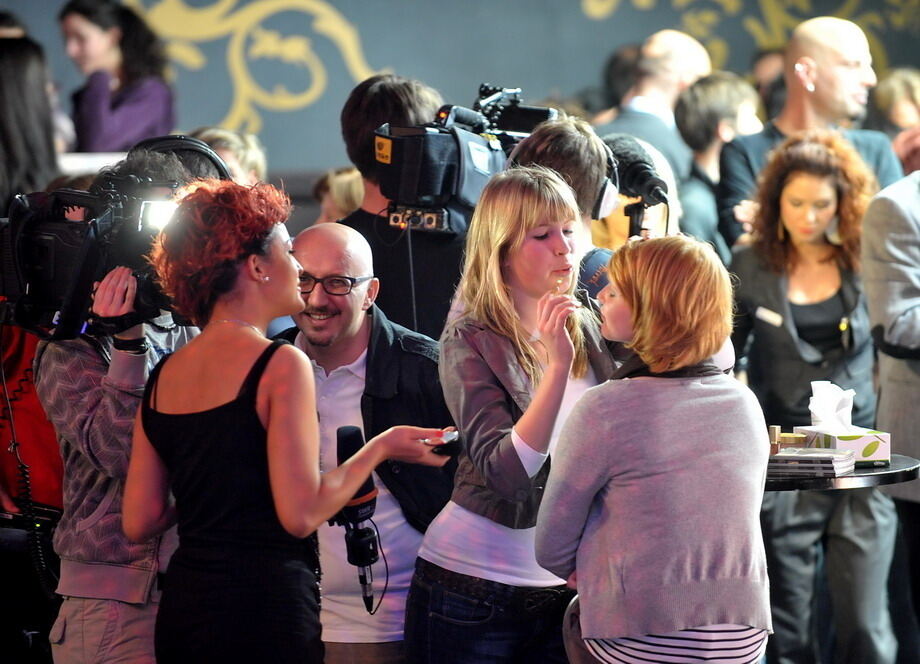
x=332, y=285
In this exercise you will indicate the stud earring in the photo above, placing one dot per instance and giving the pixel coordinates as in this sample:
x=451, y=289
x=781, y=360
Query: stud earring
x=810, y=87
x=266, y=278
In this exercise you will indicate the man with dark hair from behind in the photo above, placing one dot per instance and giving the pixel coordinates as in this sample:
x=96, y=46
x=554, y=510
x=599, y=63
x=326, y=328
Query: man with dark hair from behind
x=90, y=388
x=418, y=269
x=570, y=147
x=196, y=156
x=618, y=77
x=709, y=114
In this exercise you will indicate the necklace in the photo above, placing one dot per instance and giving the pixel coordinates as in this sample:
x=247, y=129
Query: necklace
x=243, y=323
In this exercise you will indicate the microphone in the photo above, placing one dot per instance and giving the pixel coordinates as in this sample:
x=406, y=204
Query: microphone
x=361, y=544
x=635, y=170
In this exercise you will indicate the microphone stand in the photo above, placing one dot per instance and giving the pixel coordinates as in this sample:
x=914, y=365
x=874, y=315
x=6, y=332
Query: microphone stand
x=636, y=214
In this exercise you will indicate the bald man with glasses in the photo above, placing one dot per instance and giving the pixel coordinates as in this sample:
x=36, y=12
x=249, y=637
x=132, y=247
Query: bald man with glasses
x=373, y=374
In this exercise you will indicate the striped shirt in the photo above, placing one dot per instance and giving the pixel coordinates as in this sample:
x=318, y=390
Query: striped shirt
x=715, y=644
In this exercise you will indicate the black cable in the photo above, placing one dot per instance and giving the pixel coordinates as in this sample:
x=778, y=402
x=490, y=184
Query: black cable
x=412, y=279
x=407, y=233
x=386, y=568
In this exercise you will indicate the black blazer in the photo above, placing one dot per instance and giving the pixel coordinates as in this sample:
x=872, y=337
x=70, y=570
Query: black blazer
x=781, y=366
x=402, y=387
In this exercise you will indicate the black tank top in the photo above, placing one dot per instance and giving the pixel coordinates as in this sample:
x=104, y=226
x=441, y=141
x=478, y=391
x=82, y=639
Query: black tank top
x=218, y=470
x=820, y=323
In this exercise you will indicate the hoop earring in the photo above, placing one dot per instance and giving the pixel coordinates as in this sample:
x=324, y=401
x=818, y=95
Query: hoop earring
x=833, y=232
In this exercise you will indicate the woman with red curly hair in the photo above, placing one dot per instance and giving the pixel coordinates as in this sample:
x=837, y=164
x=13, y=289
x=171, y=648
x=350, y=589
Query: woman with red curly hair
x=802, y=309
x=228, y=427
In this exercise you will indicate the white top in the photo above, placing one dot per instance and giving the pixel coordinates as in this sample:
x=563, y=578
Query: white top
x=468, y=543
x=661, y=111
x=343, y=616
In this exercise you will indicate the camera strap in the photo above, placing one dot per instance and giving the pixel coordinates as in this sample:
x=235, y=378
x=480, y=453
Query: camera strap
x=112, y=325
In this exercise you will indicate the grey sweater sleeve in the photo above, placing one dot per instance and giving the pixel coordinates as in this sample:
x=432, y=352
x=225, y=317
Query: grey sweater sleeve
x=90, y=402
x=579, y=472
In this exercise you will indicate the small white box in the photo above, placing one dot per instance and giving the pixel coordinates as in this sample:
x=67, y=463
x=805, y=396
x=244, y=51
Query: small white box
x=871, y=447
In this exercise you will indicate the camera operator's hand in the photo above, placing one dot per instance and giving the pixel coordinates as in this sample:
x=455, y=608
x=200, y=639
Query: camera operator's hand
x=114, y=296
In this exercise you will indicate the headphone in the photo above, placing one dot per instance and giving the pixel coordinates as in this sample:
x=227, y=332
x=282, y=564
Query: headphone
x=177, y=142
x=607, y=198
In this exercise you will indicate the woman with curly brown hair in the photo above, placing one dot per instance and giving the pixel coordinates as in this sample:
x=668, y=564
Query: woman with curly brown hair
x=801, y=306
x=229, y=429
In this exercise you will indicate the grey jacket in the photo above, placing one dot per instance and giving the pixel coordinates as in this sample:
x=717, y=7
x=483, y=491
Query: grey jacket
x=654, y=499
x=891, y=268
x=91, y=395
x=487, y=391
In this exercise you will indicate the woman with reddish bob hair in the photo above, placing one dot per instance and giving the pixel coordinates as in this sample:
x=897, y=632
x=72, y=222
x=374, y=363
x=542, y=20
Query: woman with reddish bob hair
x=229, y=429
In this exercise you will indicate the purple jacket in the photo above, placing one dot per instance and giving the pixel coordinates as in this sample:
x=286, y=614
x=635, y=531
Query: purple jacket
x=108, y=121
x=91, y=396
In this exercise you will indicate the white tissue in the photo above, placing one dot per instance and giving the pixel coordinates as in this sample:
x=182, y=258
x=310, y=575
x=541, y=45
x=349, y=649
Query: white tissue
x=831, y=407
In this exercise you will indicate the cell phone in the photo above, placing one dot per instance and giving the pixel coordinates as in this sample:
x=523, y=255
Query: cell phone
x=451, y=445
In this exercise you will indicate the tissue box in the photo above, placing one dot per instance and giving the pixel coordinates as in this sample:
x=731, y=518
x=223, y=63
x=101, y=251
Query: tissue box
x=872, y=448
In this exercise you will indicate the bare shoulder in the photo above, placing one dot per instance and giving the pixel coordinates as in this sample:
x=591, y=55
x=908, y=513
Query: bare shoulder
x=287, y=364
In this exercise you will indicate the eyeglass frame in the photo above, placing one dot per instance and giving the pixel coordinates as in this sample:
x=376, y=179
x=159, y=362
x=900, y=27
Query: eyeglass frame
x=353, y=281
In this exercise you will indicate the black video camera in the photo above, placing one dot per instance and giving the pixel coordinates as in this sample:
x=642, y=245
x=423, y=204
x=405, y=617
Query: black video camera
x=48, y=262
x=434, y=174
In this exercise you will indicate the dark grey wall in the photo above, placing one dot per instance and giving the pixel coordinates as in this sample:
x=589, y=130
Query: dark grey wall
x=223, y=51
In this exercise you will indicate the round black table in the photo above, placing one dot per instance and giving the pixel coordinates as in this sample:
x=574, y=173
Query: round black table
x=902, y=469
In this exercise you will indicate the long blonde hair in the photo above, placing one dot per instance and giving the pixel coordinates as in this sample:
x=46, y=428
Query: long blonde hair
x=514, y=202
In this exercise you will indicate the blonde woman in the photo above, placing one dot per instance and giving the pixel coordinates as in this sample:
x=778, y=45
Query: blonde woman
x=652, y=506
x=512, y=365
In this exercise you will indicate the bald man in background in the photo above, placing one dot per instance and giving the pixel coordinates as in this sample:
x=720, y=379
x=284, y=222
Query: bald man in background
x=828, y=73
x=669, y=62
x=373, y=374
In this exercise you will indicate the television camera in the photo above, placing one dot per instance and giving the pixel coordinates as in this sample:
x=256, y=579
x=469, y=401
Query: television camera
x=433, y=174
x=55, y=245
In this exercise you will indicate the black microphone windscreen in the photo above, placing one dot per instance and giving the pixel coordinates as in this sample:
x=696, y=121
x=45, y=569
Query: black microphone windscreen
x=636, y=170
x=627, y=149
x=349, y=440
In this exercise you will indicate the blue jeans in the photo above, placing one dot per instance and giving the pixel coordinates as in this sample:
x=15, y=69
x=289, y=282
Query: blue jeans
x=502, y=625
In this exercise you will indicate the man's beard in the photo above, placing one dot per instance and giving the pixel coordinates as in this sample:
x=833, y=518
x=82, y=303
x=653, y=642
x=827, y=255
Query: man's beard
x=313, y=338
x=323, y=342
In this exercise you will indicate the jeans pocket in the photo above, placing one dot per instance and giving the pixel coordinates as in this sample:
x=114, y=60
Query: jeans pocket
x=462, y=610
x=58, y=630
